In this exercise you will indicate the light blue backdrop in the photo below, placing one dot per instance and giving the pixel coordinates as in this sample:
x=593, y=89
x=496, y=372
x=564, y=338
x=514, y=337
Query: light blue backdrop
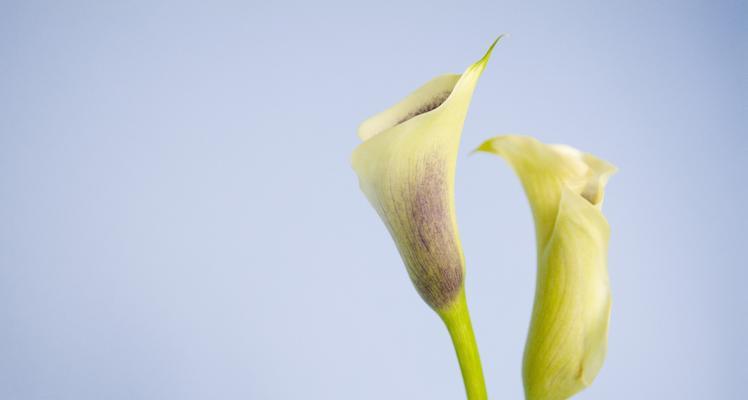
x=179, y=219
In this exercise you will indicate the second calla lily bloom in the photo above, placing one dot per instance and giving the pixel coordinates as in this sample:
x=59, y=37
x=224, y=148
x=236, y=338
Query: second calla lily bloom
x=406, y=168
x=568, y=335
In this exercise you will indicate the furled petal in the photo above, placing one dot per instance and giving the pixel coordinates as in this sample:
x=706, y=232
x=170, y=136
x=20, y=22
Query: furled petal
x=406, y=168
x=567, y=340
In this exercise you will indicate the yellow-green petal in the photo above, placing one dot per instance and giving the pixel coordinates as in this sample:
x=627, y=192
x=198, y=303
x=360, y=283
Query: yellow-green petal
x=567, y=340
x=406, y=168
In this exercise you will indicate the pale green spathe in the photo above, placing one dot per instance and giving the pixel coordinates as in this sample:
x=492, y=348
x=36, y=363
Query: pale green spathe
x=567, y=340
x=406, y=168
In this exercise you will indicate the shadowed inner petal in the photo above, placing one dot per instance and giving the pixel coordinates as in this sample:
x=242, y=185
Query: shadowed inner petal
x=592, y=192
x=427, y=98
x=428, y=105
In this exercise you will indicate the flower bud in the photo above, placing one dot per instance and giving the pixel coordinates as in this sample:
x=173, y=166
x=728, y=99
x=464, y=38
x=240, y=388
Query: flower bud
x=567, y=340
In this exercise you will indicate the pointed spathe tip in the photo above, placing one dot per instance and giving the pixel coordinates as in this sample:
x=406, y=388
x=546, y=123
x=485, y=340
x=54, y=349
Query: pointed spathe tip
x=484, y=60
x=484, y=147
x=498, y=38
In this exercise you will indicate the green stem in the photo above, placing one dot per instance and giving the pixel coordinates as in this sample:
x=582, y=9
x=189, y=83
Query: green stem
x=457, y=319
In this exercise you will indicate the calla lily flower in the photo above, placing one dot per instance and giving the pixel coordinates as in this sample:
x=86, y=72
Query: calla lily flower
x=567, y=340
x=406, y=168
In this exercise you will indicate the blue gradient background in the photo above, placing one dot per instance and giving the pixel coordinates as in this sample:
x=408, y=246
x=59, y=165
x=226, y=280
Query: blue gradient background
x=179, y=220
